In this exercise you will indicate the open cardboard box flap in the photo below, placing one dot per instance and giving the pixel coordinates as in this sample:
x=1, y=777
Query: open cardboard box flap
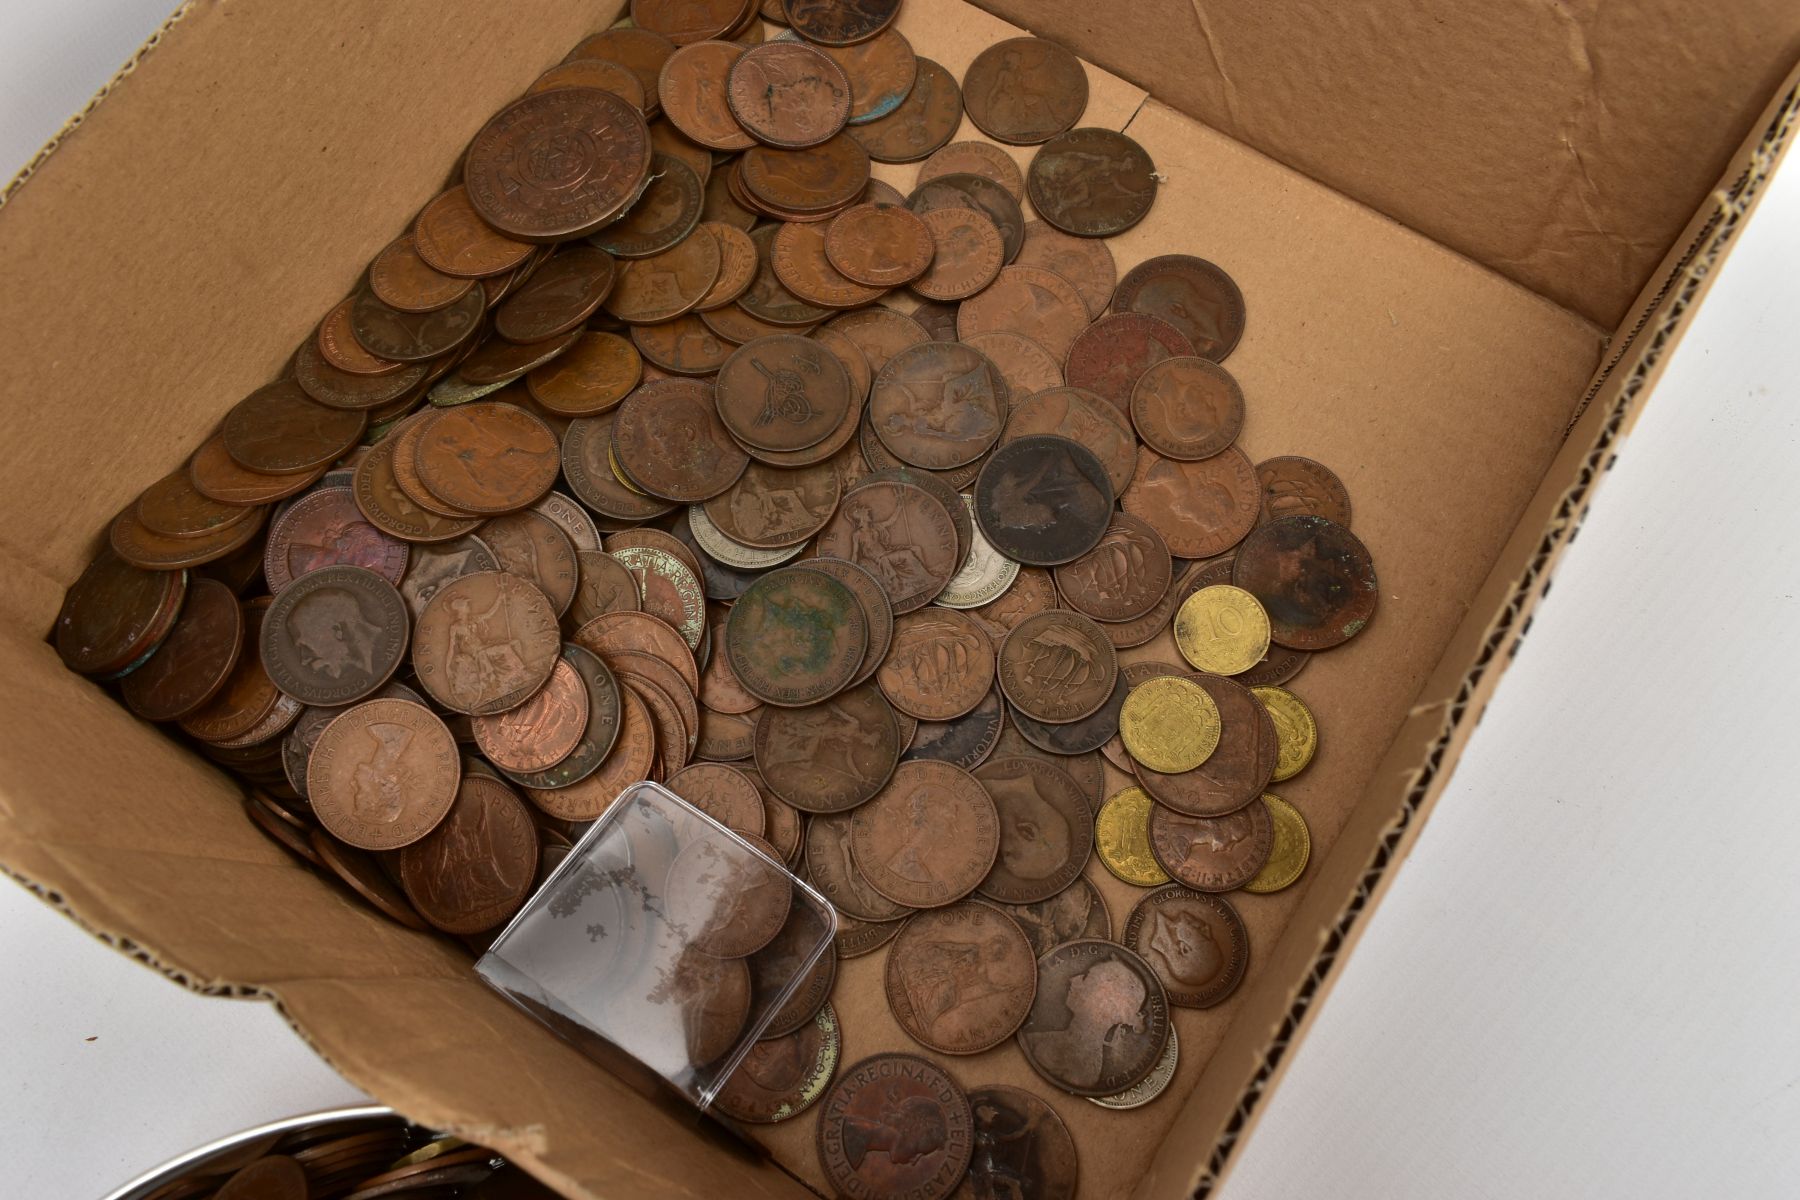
x=176, y=246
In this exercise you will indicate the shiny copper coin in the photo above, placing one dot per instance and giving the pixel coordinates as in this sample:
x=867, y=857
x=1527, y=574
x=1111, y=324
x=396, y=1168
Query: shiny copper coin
x=975, y=158
x=535, y=548
x=247, y=697
x=1082, y=417
x=1212, y=854
x=334, y=635
x=668, y=437
x=783, y=393
x=921, y=123
x=192, y=663
x=603, y=585
x=895, y=1125
x=960, y=979
x=1187, y=408
x=666, y=285
x=383, y=774
x=796, y=637
x=1293, y=486
x=1085, y=262
x=1046, y=829
x=723, y=793
x=451, y=238
x=415, y=337
x=1078, y=911
x=1039, y=304
x=881, y=70
x=280, y=430
x=1057, y=666
x=877, y=608
x=476, y=868
x=586, y=455
x=215, y=474
x=940, y=666
x=938, y=405
x=693, y=88
x=838, y=23
x=487, y=641
x=636, y=631
x=1196, y=943
x=1025, y=90
x=928, y=838
x=590, y=378
x=341, y=389
x=737, y=264
x=879, y=245
x=665, y=214
x=1193, y=295
x=641, y=51
x=1100, y=1019
x=1092, y=182
x=1122, y=577
x=801, y=265
x=173, y=507
x=830, y=868
x=901, y=535
x=566, y=291
x=340, y=348
x=541, y=732
x=788, y=94
x=141, y=546
x=968, y=254
x=611, y=77
x=1313, y=576
x=628, y=758
x=557, y=164
x=964, y=190
x=1043, y=500
x=771, y=508
x=880, y=333
x=386, y=506
x=487, y=457
x=1201, y=508
x=1114, y=353
x=818, y=178
x=691, y=21
x=731, y=902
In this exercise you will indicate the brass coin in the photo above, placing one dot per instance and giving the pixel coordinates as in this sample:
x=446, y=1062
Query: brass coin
x=450, y=237
x=1222, y=629
x=975, y=158
x=487, y=457
x=1293, y=846
x=1294, y=486
x=1100, y=1021
x=1025, y=90
x=1188, y=408
x=666, y=285
x=782, y=1077
x=1169, y=724
x=1122, y=837
x=1092, y=182
x=1296, y=732
x=788, y=94
x=1212, y=854
x=1236, y=771
x=1085, y=262
x=1193, y=295
x=968, y=253
x=660, y=218
x=487, y=641
x=383, y=774
x=969, y=1020
x=474, y=871
x=603, y=159
x=279, y=430
x=334, y=635
x=1196, y=943
x=1044, y=500
x=1114, y=354
x=901, y=535
x=1039, y=304
x=1313, y=577
x=891, y=1092
x=535, y=548
x=928, y=838
x=668, y=437
x=938, y=405
x=1202, y=509
x=922, y=122
x=1078, y=911
x=783, y=393
x=966, y=190
x=771, y=508
x=796, y=637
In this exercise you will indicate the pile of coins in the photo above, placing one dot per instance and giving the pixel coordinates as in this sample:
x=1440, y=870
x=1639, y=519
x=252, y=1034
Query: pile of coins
x=678, y=448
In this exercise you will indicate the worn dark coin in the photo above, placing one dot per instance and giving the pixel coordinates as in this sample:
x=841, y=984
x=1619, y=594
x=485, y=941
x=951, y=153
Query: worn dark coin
x=279, y=430
x=326, y=527
x=967, y=256
x=1025, y=90
x=928, y=838
x=796, y=637
x=1046, y=829
x=1057, y=666
x=900, y=534
x=665, y=214
x=873, y=597
x=1043, y=500
x=771, y=508
x=938, y=405
x=782, y=1077
x=783, y=393
x=976, y=158
x=334, y=636
x=557, y=164
x=669, y=439
x=249, y=695
x=817, y=179
x=431, y=567
x=535, y=548
x=116, y=614
x=1115, y=352
x=1191, y=294
x=477, y=867
x=1100, y=1020
x=383, y=774
x=1023, y=1149
x=1314, y=578
x=723, y=793
x=832, y=870
x=924, y=121
x=1085, y=262
x=1212, y=854
x=785, y=958
x=1196, y=943
x=838, y=22
x=880, y=333
x=410, y=337
x=1239, y=767
x=192, y=663
x=587, y=465
x=966, y=190
x=588, y=379
x=965, y=741
x=173, y=507
x=788, y=94
x=961, y=978
x=1078, y=911
x=1293, y=486
x=1188, y=408
x=1091, y=182
x=1203, y=508
x=487, y=641
x=565, y=292
x=895, y=1125
x=1076, y=737
x=1083, y=417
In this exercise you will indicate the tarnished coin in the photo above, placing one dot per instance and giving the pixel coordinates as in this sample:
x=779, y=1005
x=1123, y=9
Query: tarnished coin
x=830, y=868
x=452, y=238
x=1113, y=354
x=1075, y=737
x=1293, y=846
x=784, y=958
x=1238, y=768
x=192, y=663
x=383, y=774
x=726, y=737
x=1121, y=578
x=334, y=636
x=326, y=528
x=737, y=265
x=1312, y=576
x=975, y=158
x=173, y=507
x=684, y=346
x=965, y=190
x=586, y=463
x=1082, y=417
x=1031, y=301
x=1025, y=90
x=431, y=567
x=1191, y=294
x=927, y=838
x=1122, y=837
x=838, y=22
x=940, y=489
x=1046, y=829
x=487, y=641
x=477, y=867
x=1201, y=508
x=541, y=732
x=1212, y=854
x=380, y=498
x=140, y=546
x=880, y=333
x=1293, y=486
x=660, y=218
x=875, y=603
x=966, y=741
x=1152, y=1085
x=1196, y=943
x=898, y=533
x=1078, y=911
x=788, y=94
x=925, y=120
x=967, y=254
x=895, y=1125
x=782, y=1077
x=1057, y=666
x=1100, y=1020
x=666, y=285
x=1044, y=500
x=603, y=586
x=487, y=457
x=1188, y=408
x=881, y=70
x=249, y=695
x=576, y=523
x=1033, y=591
x=279, y=430
x=215, y=474
x=818, y=179
x=641, y=51
x=783, y=393
x=415, y=337
x=879, y=245
x=564, y=292
x=612, y=77
x=669, y=439
x=1026, y=366
x=1092, y=182
x=557, y=164
x=771, y=508
x=960, y=979
x=796, y=637
x=940, y=665
x=1296, y=732
x=402, y=279
x=766, y=302
x=668, y=590
x=1222, y=629
x=857, y=937
x=116, y=614
x=1085, y=262
x=1025, y=1149
x=802, y=266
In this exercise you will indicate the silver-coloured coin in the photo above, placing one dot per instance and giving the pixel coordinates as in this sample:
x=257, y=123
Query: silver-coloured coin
x=1154, y=1084
x=733, y=553
x=984, y=578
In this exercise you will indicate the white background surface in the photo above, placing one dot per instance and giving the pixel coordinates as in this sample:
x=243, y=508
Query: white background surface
x=1583, y=983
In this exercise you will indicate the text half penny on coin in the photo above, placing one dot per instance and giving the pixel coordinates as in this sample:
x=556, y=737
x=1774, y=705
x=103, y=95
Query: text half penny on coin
x=1046, y=829
x=1195, y=942
x=415, y=337
x=970, y=1020
x=1039, y=304
x=487, y=457
x=876, y=606
x=383, y=774
x=1085, y=262
x=1115, y=352
x=1293, y=486
x=477, y=867
x=938, y=405
x=1191, y=294
x=1057, y=666
x=1122, y=577
x=193, y=662
x=901, y=535
x=334, y=635
x=451, y=238
x=1312, y=576
x=1293, y=847
x=1237, y=770
x=116, y=614
x=967, y=254
x=1100, y=1020
x=890, y=1096
x=1091, y=182
x=279, y=430
x=964, y=190
x=666, y=213
x=564, y=293
x=975, y=158
x=1202, y=508
x=783, y=393
x=601, y=165
x=1044, y=500
x=666, y=285
x=796, y=637
x=487, y=641
x=1187, y=408
x=668, y=437
x=1212, y=854
x=879, y=245
x=541, y=732
x=940, y=665
x=928, y=838
x=924, y=121
x=788, y=94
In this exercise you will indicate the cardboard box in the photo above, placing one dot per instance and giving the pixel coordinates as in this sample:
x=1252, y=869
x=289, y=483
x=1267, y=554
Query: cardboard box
x=1460, y=235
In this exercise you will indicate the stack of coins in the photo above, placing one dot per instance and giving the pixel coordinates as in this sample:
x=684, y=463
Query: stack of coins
x=677, y=447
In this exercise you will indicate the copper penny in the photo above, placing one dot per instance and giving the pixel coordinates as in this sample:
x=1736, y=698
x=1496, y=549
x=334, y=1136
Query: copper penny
x=588, y=379
x=782, y=1077
x=1085, y=262
x=711, y=996
x=1212, y=854
x=383, y=774
x=723, y=793
x=694, y=90
x=451, y=238
x=594, y=733
x=737, y=264
x=1100, y=1019
x=1057, y=666
x=901, y=535
x=796, y=637
x=731, y=902
x=641, y=51
x=1196, y=943
x=385, y=505
x=1046, y=829
x=1026, y=1148
x=173, y=507
x=666, y=285
x=770, y=508
x=1092, y=182
x=783, y=393
x=801, y=265
x=541, y=732
x=659, y=219
x=565, y=292
x=137, y=544
x=666, y=139
x=324, y=528
x=487, y=457
x=788, y=94
x=1078, y=911
x=477, y=867
x=938, y=405
x=783, y=959
x=960, y=979
x=879, y=245
x=297, y=744
x=1236, y=772
x=1114, y=353
x=334, y=635
x=1043, y=500
x=1187, y=408
x=975, y=158
x=192, y=663
x=689, y=21
x=336, y=342
x=1025, y=90
x=940, y=666
x=557, y=164
x=966, y=741
x=1279, y=665
x=623, y=756
x=497, y=362
x=292, y=833
x=1122, y=577
x=487, y=641
x=279, y=430
x=726, y=737
x=921, y=123
x=1293, y=486
x=968, y=253
x=720, y=690
x=611, y=77
x=880, y=333
x=829, y=757
x=928, y=837
x=247, y=697
x=216, y=475
x=586, y=455
x=603, y=585
x=1033, y=591
x=895, y=1125
x=341, y=389
x=363, y=874
x=668, y=437
x=831, y=869
x=818, y=178
x=637, y=631
x=1039, y=304
x=881, y=73
x=415, y=337
x=1313, y=576
x=272, y=1177
x=838, y=22
x=1076, y=737
x=1201, y=508
x=533, y=547
x=721, y=205
x=1191, y=294
x=876, y=607
x=1082, y=417
x=1026, y=366
x=855, y=362
x=966, y=190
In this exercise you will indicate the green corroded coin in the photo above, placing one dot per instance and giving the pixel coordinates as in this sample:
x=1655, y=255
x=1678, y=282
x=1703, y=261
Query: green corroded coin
x=796, y=637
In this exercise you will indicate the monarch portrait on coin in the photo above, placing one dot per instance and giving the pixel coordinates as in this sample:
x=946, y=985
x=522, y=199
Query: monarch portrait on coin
x=333, y=634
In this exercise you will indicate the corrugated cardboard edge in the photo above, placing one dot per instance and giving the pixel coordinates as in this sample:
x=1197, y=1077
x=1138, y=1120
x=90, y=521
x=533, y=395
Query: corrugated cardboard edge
x=1621, y=386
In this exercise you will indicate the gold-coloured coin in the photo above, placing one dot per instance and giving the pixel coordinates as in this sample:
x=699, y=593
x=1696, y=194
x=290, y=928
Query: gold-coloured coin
x=1293, y=846
x=1222, y=629
x=612, y=460
x=1169, y=724
x=1296, y=732
x=1122, y=835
